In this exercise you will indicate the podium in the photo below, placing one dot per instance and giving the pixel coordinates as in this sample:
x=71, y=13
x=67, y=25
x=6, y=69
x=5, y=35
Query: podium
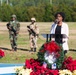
x=50, y=36
x=47, y=37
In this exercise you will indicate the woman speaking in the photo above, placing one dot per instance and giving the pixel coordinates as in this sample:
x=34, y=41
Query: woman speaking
x=61, y=31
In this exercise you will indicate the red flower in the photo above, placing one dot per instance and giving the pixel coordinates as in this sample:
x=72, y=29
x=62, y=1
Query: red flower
x=32, y=63
x=57, y=55
x=54, y=72
x=39, y=69
x=69, y=64
x=32, y=60
x=27, y=64
x=2, y=54
x=51, y=47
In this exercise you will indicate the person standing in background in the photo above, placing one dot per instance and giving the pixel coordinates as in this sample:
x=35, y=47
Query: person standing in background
x=14, y=27
x=33, y=34
x=59, y=27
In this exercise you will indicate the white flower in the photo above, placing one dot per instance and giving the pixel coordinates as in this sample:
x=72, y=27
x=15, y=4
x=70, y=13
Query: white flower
x=22, y=71
x=65, y=72
x=25, y=72
x=17, y=69
x=50, y=57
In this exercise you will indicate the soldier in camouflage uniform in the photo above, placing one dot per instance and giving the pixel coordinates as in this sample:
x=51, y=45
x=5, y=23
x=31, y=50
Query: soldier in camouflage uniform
x=33, y=34
x=13, y=27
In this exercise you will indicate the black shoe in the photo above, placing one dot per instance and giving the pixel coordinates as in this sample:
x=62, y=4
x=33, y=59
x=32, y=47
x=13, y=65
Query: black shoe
x=15, y=49
x=65, y=52
x=34, y=49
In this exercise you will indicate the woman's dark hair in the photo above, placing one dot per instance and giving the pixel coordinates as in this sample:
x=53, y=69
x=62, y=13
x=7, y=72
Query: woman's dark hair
x=61, y=13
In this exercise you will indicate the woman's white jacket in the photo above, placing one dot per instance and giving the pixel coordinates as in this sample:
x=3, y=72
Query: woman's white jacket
x=64, y=30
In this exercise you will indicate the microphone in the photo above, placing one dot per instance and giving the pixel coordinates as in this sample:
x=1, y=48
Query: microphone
x=56, y=21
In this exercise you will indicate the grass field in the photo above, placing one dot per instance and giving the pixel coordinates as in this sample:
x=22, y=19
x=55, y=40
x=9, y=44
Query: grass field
x=23, y=42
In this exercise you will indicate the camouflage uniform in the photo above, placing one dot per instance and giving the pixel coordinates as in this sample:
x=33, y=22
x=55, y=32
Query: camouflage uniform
x=13, y=27
x=33, y=37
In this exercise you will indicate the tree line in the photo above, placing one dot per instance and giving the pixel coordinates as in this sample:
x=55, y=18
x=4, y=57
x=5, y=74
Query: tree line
x=43, y=10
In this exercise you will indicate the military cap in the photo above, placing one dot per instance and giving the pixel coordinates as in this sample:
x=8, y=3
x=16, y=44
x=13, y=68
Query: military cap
x=13, y=16
x=33, y=19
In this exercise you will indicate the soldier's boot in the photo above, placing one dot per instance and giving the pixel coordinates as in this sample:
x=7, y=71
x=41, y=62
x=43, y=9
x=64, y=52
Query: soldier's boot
x=12, y=48
x=15, y=49
x=34, y=49
x=31, y=50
